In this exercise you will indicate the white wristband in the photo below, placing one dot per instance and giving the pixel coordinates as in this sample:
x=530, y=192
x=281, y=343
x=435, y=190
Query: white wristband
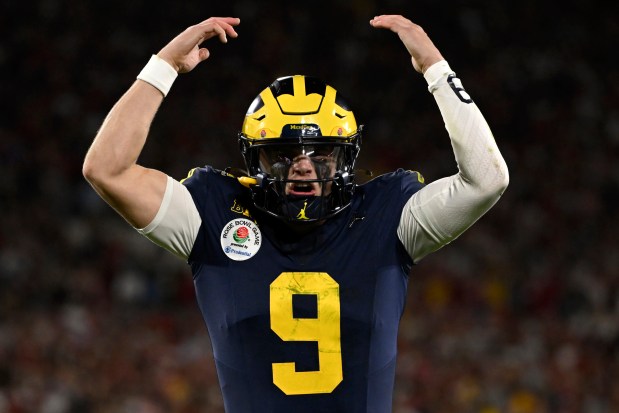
x=158, y=73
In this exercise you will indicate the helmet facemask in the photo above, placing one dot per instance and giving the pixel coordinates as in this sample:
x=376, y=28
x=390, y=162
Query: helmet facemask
x=302, y=180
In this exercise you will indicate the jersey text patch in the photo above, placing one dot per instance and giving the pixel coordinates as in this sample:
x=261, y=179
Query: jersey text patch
x=240, y=239
x=456, y=86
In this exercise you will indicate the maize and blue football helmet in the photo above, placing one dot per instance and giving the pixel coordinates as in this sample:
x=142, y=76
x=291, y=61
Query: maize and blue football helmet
x=300, y=142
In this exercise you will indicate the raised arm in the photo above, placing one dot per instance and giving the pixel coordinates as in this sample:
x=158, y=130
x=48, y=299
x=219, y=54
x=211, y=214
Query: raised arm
x=134, y=191
x=441, y=211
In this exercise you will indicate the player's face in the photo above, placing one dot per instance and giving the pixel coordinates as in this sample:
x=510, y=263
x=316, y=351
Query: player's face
x=305, y=168
x=308, y=163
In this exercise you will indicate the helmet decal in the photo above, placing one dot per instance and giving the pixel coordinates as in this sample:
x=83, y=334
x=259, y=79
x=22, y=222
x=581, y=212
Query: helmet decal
x=301, y=214
x=300, y=129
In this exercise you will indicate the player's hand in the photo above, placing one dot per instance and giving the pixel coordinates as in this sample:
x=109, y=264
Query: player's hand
x=423, y=52
x=184, y=51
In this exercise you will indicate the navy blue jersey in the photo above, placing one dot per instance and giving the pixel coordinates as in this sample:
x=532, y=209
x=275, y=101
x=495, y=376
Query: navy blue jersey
x=302, y=322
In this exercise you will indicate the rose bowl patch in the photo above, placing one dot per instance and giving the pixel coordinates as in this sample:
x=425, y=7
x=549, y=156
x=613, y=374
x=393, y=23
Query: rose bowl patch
x=240, y=239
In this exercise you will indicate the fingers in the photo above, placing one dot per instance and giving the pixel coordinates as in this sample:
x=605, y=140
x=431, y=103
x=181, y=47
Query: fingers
x=391, y=22
x=221, y=32
x=418, y=44
x=184, y=51
x=203, y=54
x=222, y=26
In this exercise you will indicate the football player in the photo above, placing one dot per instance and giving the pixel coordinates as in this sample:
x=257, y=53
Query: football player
x=300, y=273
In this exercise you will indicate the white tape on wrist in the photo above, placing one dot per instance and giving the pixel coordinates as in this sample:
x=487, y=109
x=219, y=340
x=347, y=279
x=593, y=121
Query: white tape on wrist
x=158, y=73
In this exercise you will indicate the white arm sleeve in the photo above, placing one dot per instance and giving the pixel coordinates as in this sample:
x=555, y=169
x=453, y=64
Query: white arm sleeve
x=444, y=209
x=177, y=222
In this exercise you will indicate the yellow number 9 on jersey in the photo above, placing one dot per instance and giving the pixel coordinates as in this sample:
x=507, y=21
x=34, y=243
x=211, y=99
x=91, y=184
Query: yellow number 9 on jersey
x=324, y=329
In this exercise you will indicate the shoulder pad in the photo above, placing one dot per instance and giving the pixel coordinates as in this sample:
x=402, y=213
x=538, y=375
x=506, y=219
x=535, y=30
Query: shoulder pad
x=420, y=177
x=200, y=172
x=189, y=175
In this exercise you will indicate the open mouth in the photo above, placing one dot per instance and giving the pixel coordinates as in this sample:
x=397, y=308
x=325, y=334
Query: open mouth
x=303, y=188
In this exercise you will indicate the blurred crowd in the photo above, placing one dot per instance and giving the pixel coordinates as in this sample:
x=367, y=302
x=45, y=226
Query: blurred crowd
x=519, y=315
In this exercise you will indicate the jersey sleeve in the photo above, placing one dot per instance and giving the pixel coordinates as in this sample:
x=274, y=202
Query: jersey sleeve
x=177, y=222
x=444, y=209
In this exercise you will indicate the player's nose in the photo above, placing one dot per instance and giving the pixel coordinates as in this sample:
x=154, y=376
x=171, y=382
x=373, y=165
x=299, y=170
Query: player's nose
x=302, y=166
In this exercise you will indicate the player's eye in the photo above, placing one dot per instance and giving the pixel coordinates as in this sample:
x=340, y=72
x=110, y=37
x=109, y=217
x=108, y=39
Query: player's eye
x=321, y=159
x=283, y=157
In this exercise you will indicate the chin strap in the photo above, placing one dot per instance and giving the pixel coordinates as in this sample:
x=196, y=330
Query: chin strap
x=243, y=178
x=247, y=181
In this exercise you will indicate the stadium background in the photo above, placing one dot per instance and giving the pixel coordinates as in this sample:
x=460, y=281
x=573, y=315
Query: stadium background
x=520, y=315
